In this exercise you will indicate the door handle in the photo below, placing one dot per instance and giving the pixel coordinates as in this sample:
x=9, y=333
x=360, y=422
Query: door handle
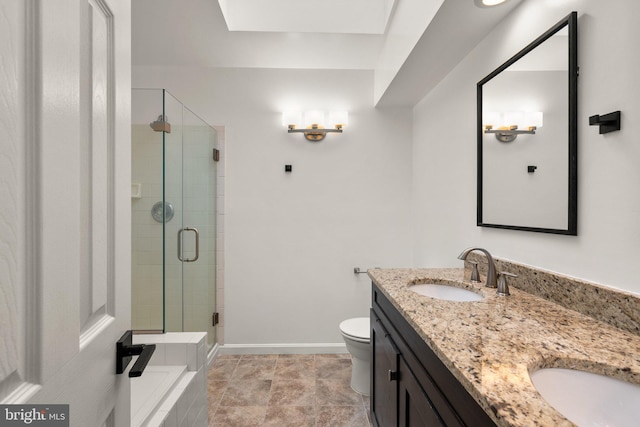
x=125, y=350
x=197, y=233
x=393, y=375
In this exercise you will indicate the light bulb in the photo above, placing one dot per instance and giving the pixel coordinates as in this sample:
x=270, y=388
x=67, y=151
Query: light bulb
x=291, y=118
x=338, y=118
x=314, y=117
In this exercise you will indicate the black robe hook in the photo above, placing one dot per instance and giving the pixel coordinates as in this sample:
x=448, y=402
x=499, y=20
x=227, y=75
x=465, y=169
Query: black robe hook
x=608, y=122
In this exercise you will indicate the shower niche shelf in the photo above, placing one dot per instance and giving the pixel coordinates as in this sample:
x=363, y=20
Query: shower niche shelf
x=136, y=190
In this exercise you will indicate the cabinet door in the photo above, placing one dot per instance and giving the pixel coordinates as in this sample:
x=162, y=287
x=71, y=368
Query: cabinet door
x=415, y=408
x=384, y=375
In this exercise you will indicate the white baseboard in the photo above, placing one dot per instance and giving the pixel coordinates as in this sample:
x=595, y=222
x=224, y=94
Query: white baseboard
x=310, y=348
x=213, y=353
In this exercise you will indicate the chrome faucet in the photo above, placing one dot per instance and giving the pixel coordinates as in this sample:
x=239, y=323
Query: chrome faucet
x=492, y=279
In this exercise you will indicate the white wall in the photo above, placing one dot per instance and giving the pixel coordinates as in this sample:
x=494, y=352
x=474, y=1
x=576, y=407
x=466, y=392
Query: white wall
x=444, y=150
x=292, y=240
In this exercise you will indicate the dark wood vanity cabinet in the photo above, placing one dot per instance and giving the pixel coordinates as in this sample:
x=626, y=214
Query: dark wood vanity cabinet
x=414, y=407
x=384, y=384
x=410, y=386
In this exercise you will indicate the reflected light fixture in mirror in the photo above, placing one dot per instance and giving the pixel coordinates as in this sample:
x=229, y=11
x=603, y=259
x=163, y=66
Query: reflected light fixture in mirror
x=316, y=124
x=508, y=125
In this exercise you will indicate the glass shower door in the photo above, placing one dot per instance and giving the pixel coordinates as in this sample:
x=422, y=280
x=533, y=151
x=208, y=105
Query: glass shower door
x=173, y=217
x=198, y=236
x=190, y=246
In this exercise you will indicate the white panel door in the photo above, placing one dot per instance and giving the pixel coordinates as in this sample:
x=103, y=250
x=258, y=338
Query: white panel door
x=65, y=211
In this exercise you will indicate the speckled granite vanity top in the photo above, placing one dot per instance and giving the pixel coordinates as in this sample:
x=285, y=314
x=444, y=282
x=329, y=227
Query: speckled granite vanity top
x=490, y=346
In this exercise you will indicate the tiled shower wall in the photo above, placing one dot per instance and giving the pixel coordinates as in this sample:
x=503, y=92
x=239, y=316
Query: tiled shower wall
x=146, y=233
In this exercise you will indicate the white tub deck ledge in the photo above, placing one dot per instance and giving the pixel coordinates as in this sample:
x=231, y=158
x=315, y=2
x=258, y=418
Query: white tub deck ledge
x=172, y=391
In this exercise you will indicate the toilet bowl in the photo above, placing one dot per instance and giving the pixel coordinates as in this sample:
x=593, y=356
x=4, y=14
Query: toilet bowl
x=356, y=334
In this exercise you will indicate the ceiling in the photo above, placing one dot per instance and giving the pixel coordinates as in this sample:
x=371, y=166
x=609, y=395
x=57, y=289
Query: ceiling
x=194, y=33
x=315, y=34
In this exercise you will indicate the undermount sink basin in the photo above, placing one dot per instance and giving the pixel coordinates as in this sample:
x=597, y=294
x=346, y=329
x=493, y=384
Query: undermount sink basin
x=589, y=399
x=445, y=292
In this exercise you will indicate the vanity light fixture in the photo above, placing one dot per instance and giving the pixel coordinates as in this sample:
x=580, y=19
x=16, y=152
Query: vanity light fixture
x=316, y=123
x=507, y=126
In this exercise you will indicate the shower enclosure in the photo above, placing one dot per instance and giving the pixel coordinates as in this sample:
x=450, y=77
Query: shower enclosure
x=173, y=202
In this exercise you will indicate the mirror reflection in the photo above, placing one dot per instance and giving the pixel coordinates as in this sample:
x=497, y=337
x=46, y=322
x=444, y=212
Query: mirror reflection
x=527, y=138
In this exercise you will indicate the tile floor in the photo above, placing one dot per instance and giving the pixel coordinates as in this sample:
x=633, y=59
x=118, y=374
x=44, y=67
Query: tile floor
x=297, y=390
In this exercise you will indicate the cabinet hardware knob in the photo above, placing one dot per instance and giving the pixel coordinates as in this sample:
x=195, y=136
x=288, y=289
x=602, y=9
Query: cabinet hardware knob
x=393, y=375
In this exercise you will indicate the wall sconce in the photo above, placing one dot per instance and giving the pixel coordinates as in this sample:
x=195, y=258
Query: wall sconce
x=507, y=126
x=315, y=122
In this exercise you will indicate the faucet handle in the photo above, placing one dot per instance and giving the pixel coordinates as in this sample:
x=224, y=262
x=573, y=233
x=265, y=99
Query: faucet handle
x=503, y=286
x=475, y=275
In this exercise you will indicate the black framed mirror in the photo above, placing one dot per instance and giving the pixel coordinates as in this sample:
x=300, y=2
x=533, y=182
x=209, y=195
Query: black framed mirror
x=527, y=133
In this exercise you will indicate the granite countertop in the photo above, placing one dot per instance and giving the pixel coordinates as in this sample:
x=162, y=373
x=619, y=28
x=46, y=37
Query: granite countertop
x=490, y=346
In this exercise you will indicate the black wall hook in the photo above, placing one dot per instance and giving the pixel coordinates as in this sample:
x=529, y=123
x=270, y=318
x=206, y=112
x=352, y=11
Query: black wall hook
x=125, y=350
x=608, y=122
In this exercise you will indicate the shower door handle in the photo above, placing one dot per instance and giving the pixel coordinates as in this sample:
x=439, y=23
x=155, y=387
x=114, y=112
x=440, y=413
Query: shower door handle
x=195, y=258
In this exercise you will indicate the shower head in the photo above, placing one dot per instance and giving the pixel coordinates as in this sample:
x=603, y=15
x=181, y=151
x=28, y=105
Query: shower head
x=161, y=124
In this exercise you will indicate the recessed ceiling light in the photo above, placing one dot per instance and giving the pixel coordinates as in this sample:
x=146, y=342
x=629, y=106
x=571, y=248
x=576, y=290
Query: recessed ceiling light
x=489, y=3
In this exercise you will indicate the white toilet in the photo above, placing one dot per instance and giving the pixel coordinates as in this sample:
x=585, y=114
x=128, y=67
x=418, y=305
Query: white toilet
x=356, y=333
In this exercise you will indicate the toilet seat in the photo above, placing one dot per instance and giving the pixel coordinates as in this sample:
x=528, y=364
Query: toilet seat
x=357, y=329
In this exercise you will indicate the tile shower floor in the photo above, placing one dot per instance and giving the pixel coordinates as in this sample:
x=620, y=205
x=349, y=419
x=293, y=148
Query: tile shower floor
x=285, y=390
